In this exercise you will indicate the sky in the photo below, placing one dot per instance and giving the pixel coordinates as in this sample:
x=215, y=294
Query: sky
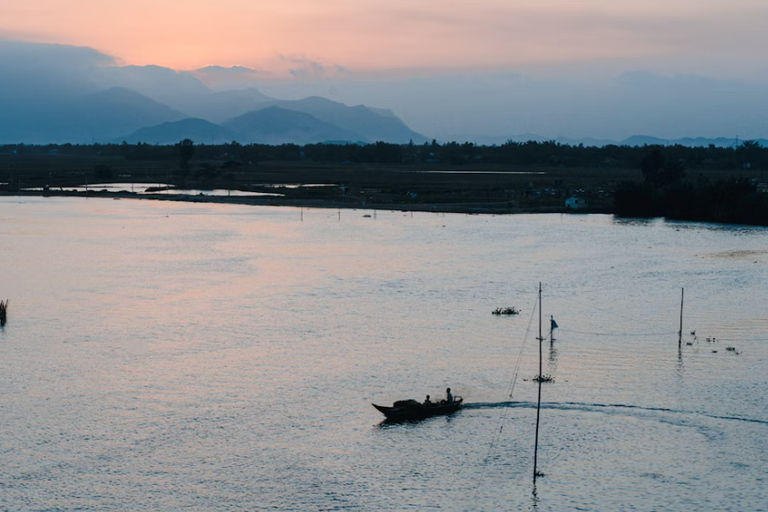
x=354, y=50
x=386, y=35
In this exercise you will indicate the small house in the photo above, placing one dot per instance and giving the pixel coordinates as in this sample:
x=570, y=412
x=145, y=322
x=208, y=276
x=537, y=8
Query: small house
x=576, y=203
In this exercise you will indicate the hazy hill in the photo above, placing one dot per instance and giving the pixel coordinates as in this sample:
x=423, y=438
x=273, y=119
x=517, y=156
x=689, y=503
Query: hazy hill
x=58, y=93
x=97, y=117
x=368, y=124
x=157, y=82
x=720, y=142
x=198, y=130
x=374, y=125
x=218, y=107
x=103, y=116
x=635, y=140
x=275, y=125
x=642, y=140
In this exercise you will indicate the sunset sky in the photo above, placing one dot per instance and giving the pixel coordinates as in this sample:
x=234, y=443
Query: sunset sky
x=383, y=35
x=448, y=65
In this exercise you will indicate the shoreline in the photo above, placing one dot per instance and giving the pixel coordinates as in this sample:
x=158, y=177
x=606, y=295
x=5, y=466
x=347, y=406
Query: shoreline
x=476, y=208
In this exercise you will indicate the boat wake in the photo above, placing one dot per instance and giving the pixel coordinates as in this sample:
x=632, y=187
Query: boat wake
x=496, y=405
x=580, y=406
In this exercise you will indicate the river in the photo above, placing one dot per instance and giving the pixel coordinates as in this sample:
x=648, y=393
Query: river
x=179, y=356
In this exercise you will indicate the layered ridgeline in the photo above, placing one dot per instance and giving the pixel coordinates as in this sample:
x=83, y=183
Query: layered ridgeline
x=307, y=121
x=93, y=100
x=120, y=114
x=58, y=94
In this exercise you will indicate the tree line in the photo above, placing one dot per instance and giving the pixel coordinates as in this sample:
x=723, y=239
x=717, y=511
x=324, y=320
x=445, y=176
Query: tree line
x=747, y=155
x=666, y=191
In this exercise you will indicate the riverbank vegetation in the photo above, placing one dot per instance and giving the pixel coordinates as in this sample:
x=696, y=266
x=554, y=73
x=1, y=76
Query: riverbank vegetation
x=667, y=191
x=720, y=184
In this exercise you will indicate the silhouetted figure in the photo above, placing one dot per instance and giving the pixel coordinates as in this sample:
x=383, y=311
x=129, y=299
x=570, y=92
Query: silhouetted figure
x=552, y=327
x=427, y=401
x=448, y=396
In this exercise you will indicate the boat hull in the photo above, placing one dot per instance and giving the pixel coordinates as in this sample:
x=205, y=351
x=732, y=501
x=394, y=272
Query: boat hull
x=418, y=411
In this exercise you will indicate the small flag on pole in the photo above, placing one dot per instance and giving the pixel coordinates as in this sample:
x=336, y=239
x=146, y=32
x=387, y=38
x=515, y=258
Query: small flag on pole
x=552, y=322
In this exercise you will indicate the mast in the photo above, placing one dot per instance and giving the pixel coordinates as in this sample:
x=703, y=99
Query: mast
x=680, y=333
x=538, y=404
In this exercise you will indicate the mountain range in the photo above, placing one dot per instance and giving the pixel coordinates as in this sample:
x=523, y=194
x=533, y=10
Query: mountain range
x=119, y=114
x=42, y=102
x=59, y=93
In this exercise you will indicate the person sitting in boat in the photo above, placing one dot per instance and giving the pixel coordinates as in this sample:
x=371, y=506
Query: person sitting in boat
x=427, y=401
x=448, y=396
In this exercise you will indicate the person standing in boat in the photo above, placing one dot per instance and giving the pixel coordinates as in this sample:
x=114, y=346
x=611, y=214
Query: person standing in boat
x=427, y=401
x=448, y=396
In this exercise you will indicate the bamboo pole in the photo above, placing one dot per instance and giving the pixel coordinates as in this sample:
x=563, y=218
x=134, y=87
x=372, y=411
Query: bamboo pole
x=680, y=333
x=538, y=404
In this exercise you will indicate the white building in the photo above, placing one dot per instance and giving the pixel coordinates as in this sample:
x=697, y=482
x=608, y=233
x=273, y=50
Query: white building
x=576, y=203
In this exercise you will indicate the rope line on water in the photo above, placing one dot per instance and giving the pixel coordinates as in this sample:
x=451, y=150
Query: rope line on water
x=617, y=334
x=510, y=391
x=522, y=349
x=610, y=313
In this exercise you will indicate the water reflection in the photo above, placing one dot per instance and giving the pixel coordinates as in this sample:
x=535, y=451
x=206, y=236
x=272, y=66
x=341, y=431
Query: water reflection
x=535, y=497
x=144, y=189
x=552, y=357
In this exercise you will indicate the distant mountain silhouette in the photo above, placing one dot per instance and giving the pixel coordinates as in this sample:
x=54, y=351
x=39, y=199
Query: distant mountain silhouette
x=635, y=140
x=57, y=93
x=275, y=125
x=369, y=125
x=218, y=107
x=103, y=116
x=157, y=82
x=642, y=140
x=304, y=121
x=198, y=130
x=373, y=124
x=721, y=142
x=226, y=78
x=41, y=85
x=97, y=117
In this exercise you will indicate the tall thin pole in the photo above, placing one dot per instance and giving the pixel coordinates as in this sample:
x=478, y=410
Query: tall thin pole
x=538, y=405
x=680, y=333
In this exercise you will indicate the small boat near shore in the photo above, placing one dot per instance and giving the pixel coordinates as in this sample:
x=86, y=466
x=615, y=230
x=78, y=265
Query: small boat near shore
x=404, y=410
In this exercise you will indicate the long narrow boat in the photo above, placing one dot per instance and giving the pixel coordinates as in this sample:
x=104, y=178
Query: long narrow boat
x=412, y=410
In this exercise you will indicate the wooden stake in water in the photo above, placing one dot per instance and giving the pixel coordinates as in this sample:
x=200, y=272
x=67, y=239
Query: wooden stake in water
x=538, y=404
x=3, y=312
x=680, y=334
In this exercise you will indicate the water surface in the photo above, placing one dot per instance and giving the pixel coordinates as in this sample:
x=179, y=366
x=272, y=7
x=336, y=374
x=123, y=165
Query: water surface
x=177, y=356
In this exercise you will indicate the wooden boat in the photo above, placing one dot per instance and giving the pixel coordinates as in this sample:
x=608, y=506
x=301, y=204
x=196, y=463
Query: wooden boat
x=403, y=410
